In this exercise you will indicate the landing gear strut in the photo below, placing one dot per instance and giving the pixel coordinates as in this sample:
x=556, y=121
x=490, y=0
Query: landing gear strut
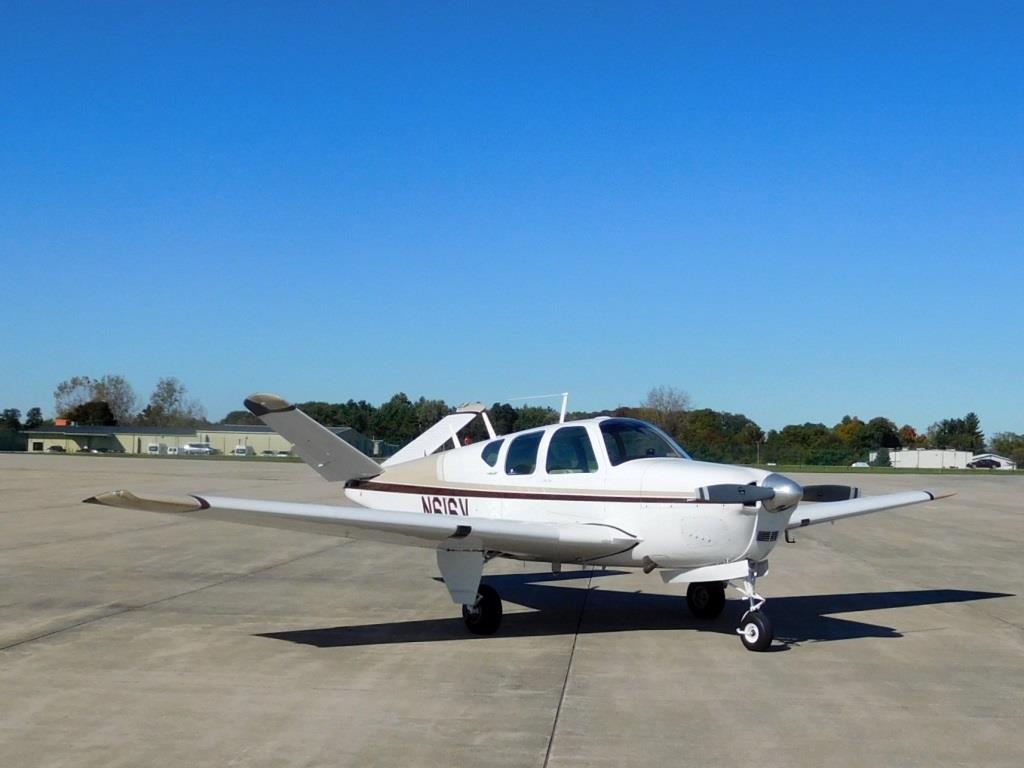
x=755, y=629
x=706, y=599
x=484, y=616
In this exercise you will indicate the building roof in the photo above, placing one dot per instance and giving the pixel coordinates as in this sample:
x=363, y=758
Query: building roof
x=254, y=428
x=98, y=431
x=102, y=431
x=1004, y=459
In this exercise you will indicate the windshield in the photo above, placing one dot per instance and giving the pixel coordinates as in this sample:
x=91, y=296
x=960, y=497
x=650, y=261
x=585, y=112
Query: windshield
x=628, y=439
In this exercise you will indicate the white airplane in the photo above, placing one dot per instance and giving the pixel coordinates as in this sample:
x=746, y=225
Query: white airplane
x=603, y=492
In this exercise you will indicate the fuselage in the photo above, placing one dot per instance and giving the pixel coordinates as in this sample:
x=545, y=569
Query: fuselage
x=614, y=472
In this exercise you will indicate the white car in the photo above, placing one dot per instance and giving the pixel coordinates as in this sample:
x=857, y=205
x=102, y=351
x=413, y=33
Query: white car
x=860, y=464
x=198, y=449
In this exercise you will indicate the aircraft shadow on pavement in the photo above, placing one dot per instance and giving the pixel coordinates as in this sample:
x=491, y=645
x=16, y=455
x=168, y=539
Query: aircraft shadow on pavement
x=557, y=611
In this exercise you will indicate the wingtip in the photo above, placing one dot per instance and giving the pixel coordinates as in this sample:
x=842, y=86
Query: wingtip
x=128, y=500
x=943, y=495
x=262, y=403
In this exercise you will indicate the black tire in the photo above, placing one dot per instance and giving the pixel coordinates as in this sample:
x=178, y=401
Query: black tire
x=484, y=618
x=756, y=631
x=706, y=599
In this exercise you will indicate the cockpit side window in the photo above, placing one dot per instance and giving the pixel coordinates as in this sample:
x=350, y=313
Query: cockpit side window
x=522, y=454
x=490, y=452
x=626, y=439
x=570, y=451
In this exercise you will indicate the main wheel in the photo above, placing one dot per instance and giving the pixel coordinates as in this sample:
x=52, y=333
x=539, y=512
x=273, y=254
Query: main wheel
x=484, y=617
x=756, y=631
x=705, y=599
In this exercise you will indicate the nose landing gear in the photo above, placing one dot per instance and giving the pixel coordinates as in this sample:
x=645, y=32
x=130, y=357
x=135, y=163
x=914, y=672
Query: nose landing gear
x=755, y=629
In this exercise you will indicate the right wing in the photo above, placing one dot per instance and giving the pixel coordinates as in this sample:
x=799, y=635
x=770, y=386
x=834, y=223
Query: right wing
x=323, y=450
x=557, y=542
x=829, y=512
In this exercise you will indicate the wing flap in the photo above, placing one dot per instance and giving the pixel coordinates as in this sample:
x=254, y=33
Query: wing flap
x=561, y=542
x=828, y=512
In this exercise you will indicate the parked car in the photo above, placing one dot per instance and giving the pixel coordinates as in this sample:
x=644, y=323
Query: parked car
x=860, y=464
x=243, y=450
x=56, y=449
x=984, y=464
x=198, y=449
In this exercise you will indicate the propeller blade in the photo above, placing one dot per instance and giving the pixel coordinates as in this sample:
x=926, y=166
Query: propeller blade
x=827, y=493
x=727, y=493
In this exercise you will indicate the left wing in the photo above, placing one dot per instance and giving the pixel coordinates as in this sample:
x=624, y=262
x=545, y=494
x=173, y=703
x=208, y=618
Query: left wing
x=557, y=542
x=827, y=512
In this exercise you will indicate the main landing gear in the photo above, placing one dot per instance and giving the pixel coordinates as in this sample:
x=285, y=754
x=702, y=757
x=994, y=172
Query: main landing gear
x=484, y=616
x=706, y=599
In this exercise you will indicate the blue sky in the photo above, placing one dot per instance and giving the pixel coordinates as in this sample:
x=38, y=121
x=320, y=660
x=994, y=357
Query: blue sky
x=791, y=211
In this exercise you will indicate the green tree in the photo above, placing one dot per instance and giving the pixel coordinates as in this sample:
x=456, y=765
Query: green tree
x=34, y=418
x=959, y=434
x=358, y=415
x=806, y=444
x=117, y=393
x=93, y=413
x=1010, y=445
x=529, y=416
x=169, y=406
x=853, y=435
x=504, y=418
x=240, y=417
x=429, y=412
x=666, y=407
x=974, y=439
x=881, y=433
x=882, y=458
x=10, y=419
x=71, y=393
x=396, y=420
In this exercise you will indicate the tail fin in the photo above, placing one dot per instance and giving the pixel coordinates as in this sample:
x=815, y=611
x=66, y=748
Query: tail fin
x=323, y=450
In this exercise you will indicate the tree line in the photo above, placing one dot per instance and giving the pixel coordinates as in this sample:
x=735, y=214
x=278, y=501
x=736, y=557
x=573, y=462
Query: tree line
x=706, y=434
x=111, y=401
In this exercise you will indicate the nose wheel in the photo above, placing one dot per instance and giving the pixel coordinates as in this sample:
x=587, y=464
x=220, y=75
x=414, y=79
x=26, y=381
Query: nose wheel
x=755, y=629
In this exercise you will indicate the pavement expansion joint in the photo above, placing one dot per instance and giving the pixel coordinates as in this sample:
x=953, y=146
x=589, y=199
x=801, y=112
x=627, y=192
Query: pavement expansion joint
x=186, y=593
x=568, y=671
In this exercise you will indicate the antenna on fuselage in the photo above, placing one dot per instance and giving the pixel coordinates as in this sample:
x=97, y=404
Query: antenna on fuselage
x=563, y=395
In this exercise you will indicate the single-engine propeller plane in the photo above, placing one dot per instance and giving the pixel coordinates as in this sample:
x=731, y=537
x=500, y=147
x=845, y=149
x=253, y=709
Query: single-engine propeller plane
x=605, y=492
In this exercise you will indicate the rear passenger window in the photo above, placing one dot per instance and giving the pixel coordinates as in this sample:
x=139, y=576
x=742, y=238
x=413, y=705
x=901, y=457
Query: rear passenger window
x=490, y=452
x=570, y=452
x=522, y=454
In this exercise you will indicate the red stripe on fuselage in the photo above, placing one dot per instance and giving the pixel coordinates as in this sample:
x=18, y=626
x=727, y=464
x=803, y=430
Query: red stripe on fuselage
x=512, y=493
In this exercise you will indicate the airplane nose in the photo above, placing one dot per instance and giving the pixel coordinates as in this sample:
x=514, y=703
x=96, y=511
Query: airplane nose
x=788, y=492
